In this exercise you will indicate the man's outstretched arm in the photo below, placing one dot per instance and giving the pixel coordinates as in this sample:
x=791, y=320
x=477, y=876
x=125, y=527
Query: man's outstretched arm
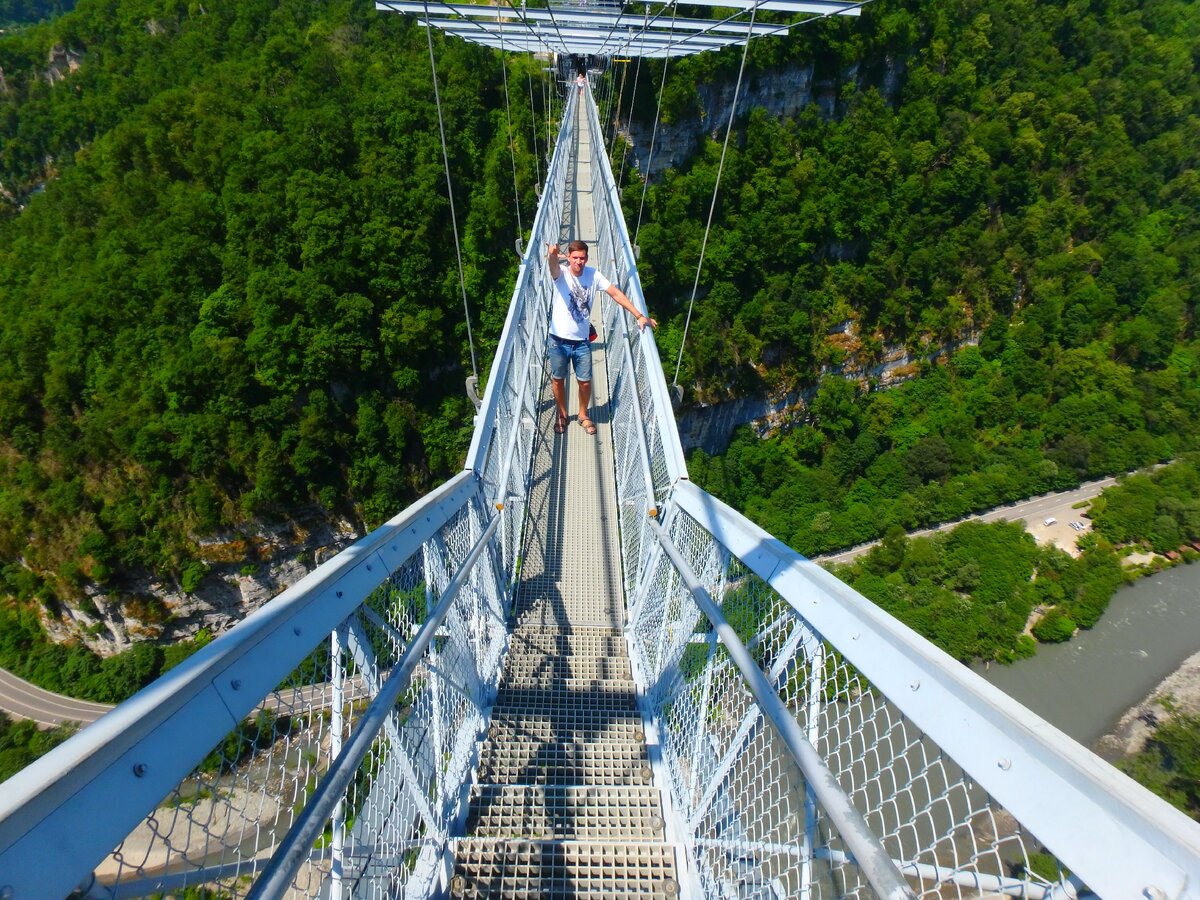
x=617, y=294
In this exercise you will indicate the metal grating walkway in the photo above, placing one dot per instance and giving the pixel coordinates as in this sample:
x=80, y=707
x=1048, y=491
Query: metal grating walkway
x=564, y=802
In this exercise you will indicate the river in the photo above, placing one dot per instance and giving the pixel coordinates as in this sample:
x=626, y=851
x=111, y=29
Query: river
x=1085, y=685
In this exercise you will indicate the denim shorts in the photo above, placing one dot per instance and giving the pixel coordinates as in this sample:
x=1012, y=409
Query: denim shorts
x=561, y=352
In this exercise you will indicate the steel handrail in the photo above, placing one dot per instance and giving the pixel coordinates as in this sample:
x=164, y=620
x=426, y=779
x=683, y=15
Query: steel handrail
x=147, y=745
x=293, y=850
x=876, y=864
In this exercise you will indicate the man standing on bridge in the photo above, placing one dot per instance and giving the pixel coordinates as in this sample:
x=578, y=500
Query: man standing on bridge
x=570, y=328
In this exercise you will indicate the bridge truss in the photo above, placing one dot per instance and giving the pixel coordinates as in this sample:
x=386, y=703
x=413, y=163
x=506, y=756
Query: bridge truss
x=601, y=28
x=805, y=743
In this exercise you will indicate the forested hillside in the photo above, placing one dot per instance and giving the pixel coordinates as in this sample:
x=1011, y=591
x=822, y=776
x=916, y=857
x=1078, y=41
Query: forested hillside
x=1028, y=184
x=228, y=287
x=19, y=12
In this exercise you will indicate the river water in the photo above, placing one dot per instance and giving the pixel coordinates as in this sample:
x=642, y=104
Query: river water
x=1085, y=685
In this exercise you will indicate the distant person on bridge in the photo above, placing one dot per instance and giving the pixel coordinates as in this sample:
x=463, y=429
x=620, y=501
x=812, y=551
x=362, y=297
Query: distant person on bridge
x=568, y=341
x=580, y=81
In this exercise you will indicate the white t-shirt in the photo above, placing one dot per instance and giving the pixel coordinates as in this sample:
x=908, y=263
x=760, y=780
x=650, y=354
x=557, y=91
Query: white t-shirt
x=571, y=305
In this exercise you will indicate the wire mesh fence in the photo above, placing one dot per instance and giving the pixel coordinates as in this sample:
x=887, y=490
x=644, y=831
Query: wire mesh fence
x=221, y=825
x=753, y=824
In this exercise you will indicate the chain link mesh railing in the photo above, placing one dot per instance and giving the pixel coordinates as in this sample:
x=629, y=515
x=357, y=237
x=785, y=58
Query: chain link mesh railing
x=938, y=798
x=219, y=827
x=753, y=825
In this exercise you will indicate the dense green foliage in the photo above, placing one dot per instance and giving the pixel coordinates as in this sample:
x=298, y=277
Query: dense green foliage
x=960, y=439
x=1036, y=163
x=22, y=742
x=971, y=590
x=238, y=292
x=1170, y=765
x=25, y=11
x=1160, y=508
x=1030, y=184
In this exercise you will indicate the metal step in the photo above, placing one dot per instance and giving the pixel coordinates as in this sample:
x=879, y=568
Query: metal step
x=594, y=641
x=563, y=763
x=528, y=869
x=566, y=813
x=509, y=725
x=552, y=610
x=540, y=656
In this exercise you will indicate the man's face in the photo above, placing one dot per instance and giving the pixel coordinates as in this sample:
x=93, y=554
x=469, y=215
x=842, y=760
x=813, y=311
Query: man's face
x=577, y=259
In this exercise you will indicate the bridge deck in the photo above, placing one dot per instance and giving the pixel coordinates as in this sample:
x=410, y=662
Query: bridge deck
x=564, y=803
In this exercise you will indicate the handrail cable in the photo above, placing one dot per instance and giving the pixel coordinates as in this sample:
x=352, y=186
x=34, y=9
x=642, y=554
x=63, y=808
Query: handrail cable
x=462, y=281
x=616, y=119
x=605, y=102
x=632, y=101
x=512, y=144
x=737, y=92
x=657, y=118
x=633, y=97
x=546, y=110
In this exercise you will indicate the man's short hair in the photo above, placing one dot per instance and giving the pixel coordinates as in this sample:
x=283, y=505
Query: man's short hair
x=577, y=245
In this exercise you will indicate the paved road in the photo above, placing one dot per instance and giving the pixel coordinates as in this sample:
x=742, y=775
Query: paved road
x=1033, y=512
x=23, y=700
x=20, y=699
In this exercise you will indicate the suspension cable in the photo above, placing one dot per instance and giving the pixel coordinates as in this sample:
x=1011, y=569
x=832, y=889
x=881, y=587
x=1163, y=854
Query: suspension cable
x=546, y=110
x=737, y=91
x=637, y=70
x=616, y=119
x=450, y=194
x=537, y=163
x=512, y=149
x=657, y=119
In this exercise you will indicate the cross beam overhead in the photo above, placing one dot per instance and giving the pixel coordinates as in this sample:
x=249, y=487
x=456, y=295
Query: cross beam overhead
x=592, y=29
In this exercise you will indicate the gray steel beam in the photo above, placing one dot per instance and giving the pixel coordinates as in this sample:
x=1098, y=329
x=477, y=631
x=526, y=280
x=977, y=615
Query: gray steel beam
x=582, y=16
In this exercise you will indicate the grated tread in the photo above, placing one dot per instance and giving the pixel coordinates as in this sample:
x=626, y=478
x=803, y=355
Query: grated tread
x=500, y=868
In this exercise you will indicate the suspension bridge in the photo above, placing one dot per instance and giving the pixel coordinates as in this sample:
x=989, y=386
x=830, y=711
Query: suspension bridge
x=570, y=671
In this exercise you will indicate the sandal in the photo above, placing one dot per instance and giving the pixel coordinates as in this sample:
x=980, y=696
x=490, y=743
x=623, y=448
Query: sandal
x=588, y=425
x=560, y=424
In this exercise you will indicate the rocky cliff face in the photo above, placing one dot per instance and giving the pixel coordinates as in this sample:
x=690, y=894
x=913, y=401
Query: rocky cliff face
x=782, y=92
x=245, y=570
x=62, y=63
x=709, y=428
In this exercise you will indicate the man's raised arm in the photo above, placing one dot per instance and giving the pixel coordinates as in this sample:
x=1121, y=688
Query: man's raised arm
x=552, y=260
